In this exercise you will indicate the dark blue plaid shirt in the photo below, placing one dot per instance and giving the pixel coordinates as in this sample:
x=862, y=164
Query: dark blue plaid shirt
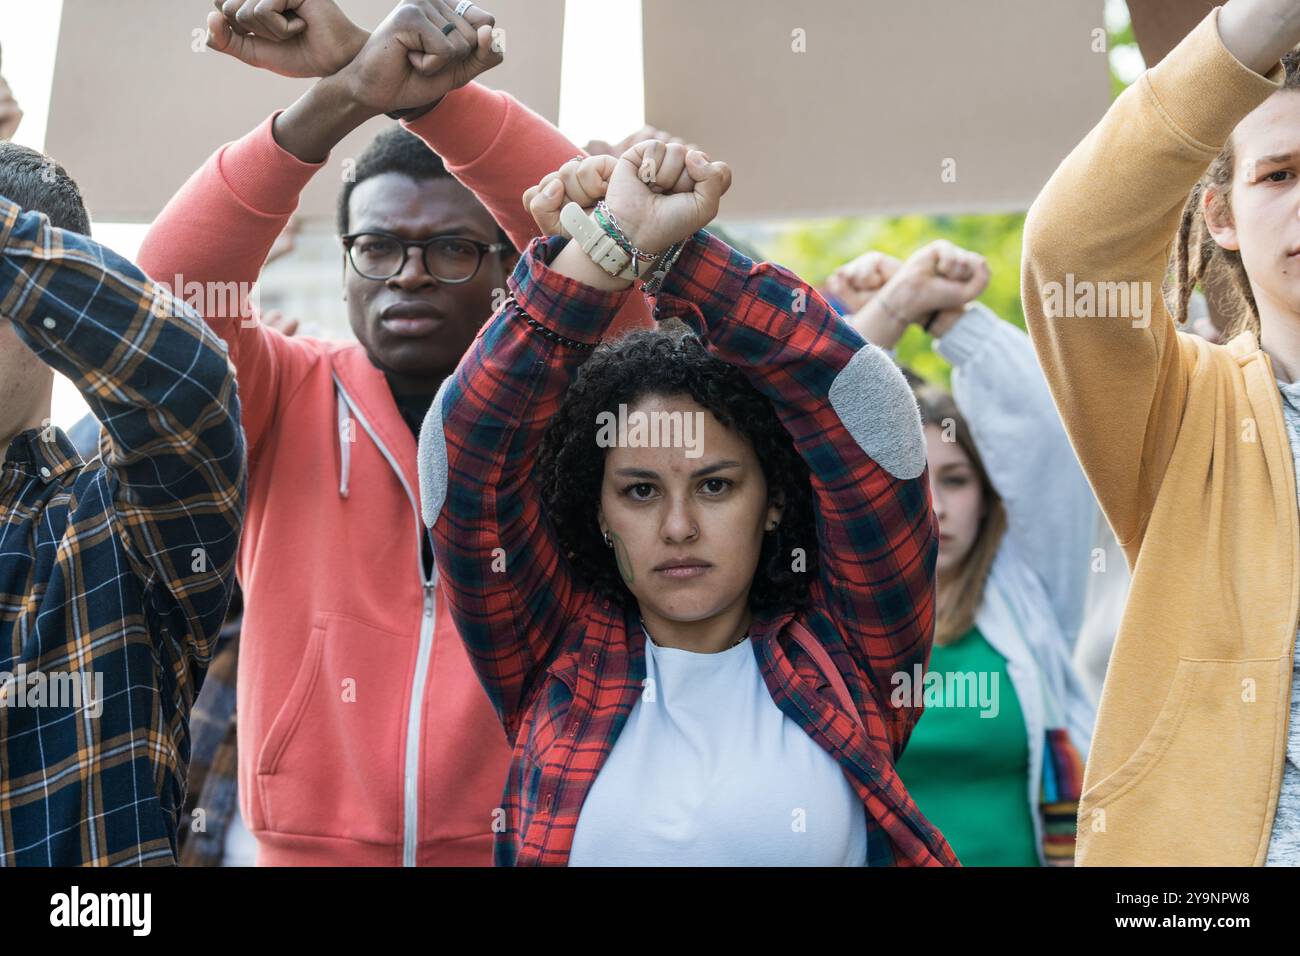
x=114, y=576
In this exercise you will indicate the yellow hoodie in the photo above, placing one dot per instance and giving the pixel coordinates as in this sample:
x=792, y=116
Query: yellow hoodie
x=1185, y=447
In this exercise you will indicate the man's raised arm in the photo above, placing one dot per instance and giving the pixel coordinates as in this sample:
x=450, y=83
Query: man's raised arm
x=162, y=386
x=492, y=143
x=214, y=236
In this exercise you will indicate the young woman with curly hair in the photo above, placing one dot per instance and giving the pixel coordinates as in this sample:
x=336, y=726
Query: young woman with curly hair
x=689, y=641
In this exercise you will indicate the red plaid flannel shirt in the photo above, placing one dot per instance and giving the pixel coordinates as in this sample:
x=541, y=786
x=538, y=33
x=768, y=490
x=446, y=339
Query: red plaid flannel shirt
x=564, y=666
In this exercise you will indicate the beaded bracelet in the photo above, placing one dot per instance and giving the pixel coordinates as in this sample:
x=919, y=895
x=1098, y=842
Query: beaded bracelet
x=546, y=333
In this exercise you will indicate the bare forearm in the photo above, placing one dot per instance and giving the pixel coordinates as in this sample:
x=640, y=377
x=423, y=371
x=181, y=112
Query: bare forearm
x=319, y=120
x=1259, y=32
x=575, y=264
x=875, y=323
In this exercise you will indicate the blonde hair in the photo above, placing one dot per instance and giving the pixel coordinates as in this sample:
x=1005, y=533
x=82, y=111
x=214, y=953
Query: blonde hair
x=959, y=597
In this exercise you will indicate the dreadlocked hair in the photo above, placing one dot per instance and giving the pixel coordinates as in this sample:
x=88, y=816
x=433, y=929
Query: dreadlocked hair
x=1198, y=260
x=672, y=361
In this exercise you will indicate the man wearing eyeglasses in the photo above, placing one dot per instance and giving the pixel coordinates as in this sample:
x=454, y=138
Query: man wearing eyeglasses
x=423, y=260
x=364, y=736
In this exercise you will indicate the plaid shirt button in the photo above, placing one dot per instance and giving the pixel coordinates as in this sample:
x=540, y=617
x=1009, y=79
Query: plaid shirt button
x=45, y=472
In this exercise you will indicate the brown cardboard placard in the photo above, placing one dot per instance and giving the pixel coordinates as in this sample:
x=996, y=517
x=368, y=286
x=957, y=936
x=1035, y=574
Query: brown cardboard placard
x=847, y=107
x=135, y=109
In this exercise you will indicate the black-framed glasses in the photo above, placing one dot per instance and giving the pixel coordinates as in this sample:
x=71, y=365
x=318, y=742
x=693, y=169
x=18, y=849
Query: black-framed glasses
x=450, y=259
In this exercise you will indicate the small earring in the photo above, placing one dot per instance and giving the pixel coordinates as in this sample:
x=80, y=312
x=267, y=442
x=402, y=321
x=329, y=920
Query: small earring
x=608, y=542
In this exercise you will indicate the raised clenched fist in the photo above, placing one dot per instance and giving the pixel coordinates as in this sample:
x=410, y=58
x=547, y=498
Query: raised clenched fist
x=662, y=193
x=581, y=180
x=856, y=282
x=11, y=113
x=939, y=276
x=289, y=37
x=419, y=54
x=932, y=288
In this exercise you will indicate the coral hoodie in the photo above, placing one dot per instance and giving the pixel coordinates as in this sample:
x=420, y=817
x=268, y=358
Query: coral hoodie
x=364, y=736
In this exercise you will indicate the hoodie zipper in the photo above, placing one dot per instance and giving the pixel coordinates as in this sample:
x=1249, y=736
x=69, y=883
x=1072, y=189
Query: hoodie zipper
x=411, y=770
x=411, y=796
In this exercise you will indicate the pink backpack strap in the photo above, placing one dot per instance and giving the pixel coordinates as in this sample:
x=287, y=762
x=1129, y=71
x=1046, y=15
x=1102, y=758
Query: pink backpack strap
x=808, y=641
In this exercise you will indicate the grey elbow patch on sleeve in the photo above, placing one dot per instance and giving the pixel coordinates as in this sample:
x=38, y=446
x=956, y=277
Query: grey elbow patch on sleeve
x=878, y=408
x=433, y=459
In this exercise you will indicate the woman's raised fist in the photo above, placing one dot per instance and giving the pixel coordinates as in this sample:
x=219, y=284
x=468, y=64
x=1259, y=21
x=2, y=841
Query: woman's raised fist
x=583, y=180
x=662, y=193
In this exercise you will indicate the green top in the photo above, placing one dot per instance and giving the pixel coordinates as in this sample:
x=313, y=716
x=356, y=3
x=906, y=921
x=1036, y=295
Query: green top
x=967, y=763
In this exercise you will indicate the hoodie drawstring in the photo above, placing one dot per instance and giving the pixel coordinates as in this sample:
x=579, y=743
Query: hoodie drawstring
x=346, y=434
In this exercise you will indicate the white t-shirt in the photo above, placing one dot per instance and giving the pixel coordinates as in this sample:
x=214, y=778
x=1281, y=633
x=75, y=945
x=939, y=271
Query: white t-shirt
x=709, y=772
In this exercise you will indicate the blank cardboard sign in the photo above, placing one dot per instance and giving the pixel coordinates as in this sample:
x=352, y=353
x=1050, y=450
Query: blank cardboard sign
x=139, y=103
x=845, y=107
x=1159, y=25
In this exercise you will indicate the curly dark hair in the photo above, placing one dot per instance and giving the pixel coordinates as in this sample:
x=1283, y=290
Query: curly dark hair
x=667, y=361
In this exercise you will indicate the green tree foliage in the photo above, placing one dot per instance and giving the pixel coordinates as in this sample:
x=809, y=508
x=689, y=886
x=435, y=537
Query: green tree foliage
x=1119, y=40
x=815, y=249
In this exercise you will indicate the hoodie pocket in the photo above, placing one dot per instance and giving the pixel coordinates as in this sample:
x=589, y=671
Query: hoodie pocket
x=1195, y=790
x=330, y=765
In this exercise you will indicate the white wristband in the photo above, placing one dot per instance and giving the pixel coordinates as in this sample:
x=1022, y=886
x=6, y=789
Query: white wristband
x=595, y=242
